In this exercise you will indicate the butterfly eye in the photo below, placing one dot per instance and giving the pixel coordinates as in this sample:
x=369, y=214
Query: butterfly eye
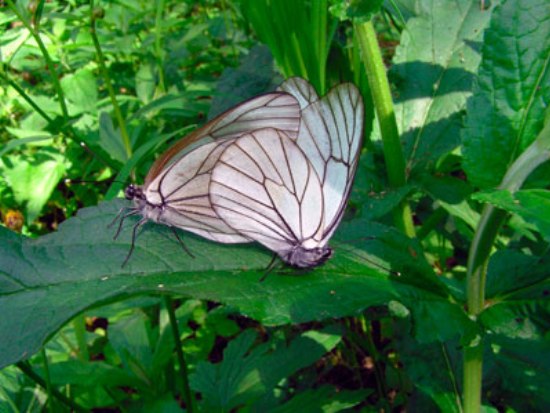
x=130, y=192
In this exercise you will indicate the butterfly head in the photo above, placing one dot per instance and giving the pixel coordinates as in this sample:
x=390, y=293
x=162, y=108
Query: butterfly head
x=301, y=257
x=133, y=192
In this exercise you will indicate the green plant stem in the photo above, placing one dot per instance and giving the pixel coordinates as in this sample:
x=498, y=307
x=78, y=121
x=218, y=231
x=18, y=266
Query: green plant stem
x=48, y=381
x=319, y=23
x=473, y=371
x=452, y=377
x=375, y=354
x=29, y=372
x=158, y=47
x=186, y=393
x=108, y=84
x=383, y=104
x=49, y=63
x=79, y=325
x=480, y=252
x=24, y=95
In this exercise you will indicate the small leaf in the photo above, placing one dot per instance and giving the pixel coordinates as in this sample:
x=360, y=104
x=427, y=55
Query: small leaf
x=110, y=139
x=81, y=89
x=33, y=179
x=324, y=399
x=15, y=143
x=145, y=82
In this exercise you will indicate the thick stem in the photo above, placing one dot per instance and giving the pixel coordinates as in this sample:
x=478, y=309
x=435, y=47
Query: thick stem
x=381, y=96
x=473, y=363
x=478, y=259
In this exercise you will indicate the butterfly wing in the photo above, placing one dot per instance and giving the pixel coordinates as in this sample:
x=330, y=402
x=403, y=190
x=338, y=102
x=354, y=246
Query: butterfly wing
x=264, y=187
x=300, y=88
x=278, y=109
x=180, y=187
x=286, y=194
x=182, y=190
x=331, y=135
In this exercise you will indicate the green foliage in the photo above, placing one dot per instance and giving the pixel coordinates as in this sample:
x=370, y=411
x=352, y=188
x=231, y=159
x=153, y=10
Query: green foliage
x=388, y=323
x=299, y=36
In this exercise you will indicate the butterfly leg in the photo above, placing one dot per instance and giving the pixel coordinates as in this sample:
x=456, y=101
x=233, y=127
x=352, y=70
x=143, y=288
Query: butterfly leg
x=132, y=212
x=181, y=242
x=134, y=236
x=269, y=267
x=120, y=211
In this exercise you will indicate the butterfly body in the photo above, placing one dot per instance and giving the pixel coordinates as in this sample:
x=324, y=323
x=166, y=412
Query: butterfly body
x=301, y=257
x=148, y=210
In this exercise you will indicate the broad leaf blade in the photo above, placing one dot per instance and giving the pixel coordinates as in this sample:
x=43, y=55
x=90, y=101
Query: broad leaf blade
x=507, y=109
x=46, y=281
x=435, y=65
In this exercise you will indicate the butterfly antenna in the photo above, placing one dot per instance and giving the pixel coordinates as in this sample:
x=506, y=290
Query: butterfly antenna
x=375, y=264
x=134, y=236
x=181, y=242
x=269, y=268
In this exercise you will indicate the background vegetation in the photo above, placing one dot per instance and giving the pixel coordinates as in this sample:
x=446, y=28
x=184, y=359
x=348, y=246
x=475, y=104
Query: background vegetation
x=437, y=297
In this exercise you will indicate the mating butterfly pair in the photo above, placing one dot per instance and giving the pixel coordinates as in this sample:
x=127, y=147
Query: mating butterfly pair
x=276, y=169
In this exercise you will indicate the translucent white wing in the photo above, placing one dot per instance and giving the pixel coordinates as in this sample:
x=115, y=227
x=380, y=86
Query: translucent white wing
x=176, y=188
x=290, y=195
x=182, y=191
x=265, y=188
x=331, y=135
x=278, y=109
x=301, y=90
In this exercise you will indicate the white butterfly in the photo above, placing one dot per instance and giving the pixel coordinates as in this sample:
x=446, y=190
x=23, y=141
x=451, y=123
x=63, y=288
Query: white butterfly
x=288, y=194
x=175, y=192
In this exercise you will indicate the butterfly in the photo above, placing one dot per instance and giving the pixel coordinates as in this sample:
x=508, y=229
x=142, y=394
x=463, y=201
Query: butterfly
x=290, y=194
x=175, y=191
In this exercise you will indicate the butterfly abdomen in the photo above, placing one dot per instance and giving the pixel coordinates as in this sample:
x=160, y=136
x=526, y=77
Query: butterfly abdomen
x=301, y=257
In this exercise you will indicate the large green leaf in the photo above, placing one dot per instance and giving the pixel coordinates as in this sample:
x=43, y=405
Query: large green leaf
x=434, y=67
x=46, y=281
x=507, y=109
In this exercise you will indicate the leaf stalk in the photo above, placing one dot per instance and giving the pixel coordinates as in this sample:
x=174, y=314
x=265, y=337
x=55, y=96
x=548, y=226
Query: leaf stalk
x=383, y=104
